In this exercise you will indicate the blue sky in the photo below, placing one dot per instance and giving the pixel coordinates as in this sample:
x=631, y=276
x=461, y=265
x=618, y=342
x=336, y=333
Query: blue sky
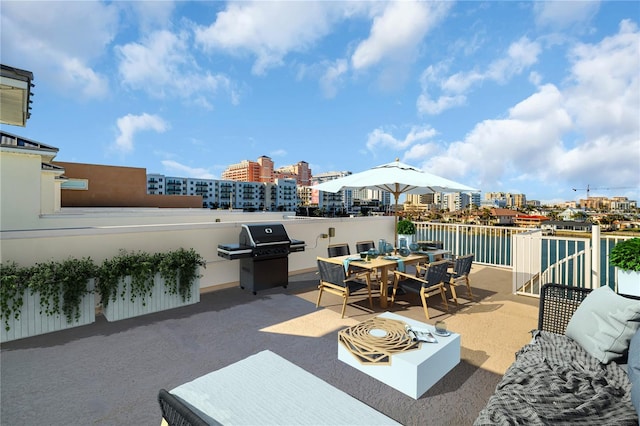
x=525, y=97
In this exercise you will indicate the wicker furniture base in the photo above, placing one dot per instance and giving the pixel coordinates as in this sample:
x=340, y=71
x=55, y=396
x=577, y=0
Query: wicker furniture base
x=375, y=340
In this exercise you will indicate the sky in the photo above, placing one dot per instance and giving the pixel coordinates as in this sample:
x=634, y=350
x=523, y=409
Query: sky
x=537, y=97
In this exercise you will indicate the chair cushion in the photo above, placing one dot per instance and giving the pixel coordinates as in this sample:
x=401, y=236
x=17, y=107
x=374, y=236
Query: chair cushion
x=633, y=369
x=604, y=324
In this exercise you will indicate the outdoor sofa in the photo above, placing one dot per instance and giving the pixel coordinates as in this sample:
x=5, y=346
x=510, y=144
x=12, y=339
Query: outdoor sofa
x=582, y=365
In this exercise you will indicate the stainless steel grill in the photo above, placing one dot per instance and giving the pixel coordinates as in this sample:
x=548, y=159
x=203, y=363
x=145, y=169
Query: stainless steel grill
x=263, y=251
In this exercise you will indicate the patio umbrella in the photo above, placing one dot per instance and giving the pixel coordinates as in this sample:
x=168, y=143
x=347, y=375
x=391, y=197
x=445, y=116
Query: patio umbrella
x=397, y=178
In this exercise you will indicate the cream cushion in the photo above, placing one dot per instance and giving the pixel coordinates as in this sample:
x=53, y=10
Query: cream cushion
x=604, y=324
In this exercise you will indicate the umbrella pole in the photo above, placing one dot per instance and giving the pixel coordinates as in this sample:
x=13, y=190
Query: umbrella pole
x=395, y=226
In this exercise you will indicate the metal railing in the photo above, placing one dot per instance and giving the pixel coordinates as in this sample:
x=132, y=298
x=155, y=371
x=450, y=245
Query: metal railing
x=490, y=244
x=534, y=258
x=565, y=261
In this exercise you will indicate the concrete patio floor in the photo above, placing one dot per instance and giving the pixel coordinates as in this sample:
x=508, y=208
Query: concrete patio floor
x=109, y=373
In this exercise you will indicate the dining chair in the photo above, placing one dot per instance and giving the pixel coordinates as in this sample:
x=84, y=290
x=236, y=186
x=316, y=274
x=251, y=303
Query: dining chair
x=460, y=275
x=334, y=279
x=433, y=281
x=437, y=245
x=364, y=246
x=339, y=249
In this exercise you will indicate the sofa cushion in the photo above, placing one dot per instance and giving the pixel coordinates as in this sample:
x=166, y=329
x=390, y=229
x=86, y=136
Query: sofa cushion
x=633, y=369
x=604, y=324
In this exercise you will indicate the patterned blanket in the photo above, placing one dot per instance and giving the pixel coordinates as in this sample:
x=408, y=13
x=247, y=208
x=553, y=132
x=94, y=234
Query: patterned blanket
x=553, y=381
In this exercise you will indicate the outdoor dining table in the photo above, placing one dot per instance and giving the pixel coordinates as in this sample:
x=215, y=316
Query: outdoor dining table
x=382, y=263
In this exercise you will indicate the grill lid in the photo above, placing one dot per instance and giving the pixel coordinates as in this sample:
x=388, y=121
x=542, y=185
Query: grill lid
x=263, y=235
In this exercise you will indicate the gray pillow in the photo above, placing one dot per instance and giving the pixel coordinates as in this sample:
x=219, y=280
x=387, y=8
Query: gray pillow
x=604, y=323
x=634, y=370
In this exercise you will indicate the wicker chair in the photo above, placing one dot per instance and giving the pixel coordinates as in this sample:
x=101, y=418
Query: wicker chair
x=334, y=279
x=177, y=413
x=558, y=302
x=557, y=305
x=433, y=281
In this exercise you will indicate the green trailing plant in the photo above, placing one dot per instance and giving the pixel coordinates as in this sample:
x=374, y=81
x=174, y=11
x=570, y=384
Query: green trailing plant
x=61, y=285
x=140, y=266
x=13, y=285
x=179, y=269
x=626, y=255
x=406, y=227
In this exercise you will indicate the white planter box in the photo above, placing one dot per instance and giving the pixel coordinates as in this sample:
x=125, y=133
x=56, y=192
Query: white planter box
x=628, y=282
x=159, y=300
x=31, y=322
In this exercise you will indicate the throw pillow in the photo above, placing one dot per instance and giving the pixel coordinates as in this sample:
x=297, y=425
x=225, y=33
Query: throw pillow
x=604, y=323
x=633, y=369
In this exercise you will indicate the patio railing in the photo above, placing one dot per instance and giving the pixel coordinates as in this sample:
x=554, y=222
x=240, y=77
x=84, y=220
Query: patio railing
x=535, y=258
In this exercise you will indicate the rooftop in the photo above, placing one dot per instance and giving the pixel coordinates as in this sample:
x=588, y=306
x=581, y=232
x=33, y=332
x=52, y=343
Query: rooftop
x=110, y=373
x=15, y=99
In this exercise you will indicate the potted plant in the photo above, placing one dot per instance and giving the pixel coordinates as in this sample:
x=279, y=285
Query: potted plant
x=406, y=229
x=137, y=283
x=625, y=256
x=46, y=297
x=179, y=269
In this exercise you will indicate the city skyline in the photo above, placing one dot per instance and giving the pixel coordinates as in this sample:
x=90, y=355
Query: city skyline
x=486, y=195
x=536, y=98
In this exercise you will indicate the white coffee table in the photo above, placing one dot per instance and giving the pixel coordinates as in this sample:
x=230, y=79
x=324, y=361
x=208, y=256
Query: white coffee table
x=411, y=372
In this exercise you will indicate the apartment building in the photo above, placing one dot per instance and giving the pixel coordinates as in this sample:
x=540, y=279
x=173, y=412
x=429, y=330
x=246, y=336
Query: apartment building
x=453, y=201
x=229, y=194
x=610, y=204
x=507, y=199
x=262, y=170
x=329, y=201
x=299, y=171
x=246, y=171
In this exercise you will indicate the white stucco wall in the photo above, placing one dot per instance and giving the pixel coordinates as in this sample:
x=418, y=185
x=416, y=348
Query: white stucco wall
x=20, y=190
x=34, y=229
x=101, y=242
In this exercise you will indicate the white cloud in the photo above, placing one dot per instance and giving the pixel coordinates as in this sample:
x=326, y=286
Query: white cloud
x=175, y=168
x=563, y=14
x=333, y=77
x=420, y=152
x=605, y=95
x=585, y=133
x=530, y=138
x=131, y=124
x=429, y=106
x=398, y=31
x=604, y=98
x=59, y=43
x=153, y=14
x=161, y=66
x=278, y=153
x=268, y=30
x=452, y=89
x=380, y=138
x=520, y=55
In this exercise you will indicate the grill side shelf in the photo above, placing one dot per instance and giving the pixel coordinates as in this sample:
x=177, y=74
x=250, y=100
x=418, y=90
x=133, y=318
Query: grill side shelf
x=297, y=246
x=234, y=251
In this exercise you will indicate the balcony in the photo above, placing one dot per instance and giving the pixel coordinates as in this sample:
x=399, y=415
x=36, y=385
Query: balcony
x=110, y=372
